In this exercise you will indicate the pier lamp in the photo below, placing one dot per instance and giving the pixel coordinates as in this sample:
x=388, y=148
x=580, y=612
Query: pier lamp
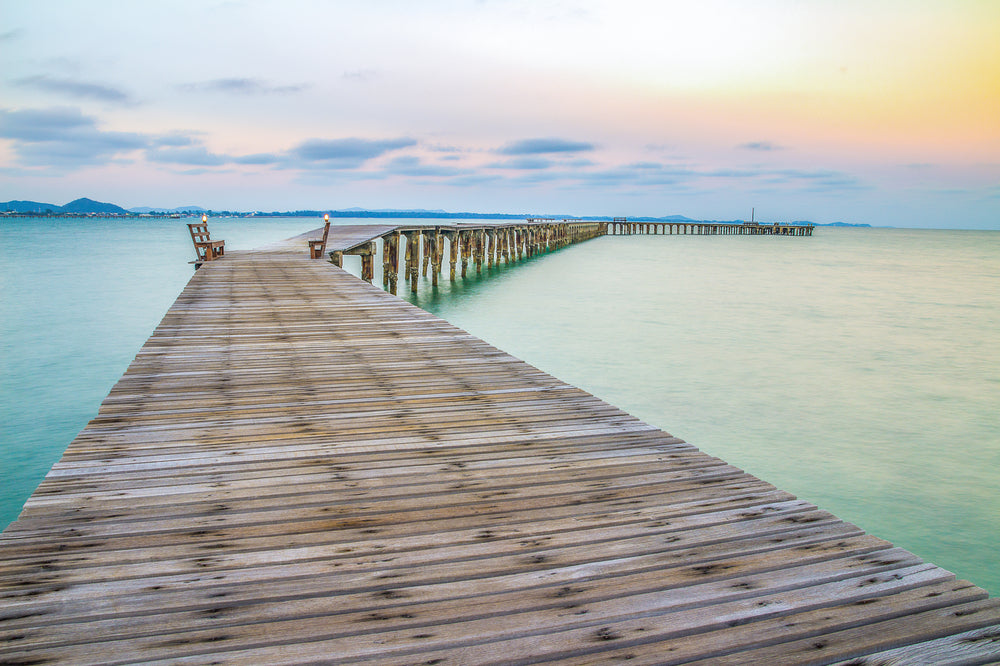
x=204, y=218
x=326, y=217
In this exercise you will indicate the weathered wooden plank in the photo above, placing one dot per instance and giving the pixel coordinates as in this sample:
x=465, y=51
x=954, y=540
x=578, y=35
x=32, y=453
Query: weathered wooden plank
x=384, y=531
x=563, y=630
x=489, y=542
x=687, y=587
x=980, y=646
x=579, y=565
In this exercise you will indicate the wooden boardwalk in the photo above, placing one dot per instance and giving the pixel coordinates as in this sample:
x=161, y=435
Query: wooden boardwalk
x=299, y=467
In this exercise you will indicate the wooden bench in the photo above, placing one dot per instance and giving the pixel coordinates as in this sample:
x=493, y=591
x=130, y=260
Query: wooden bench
x=318, y=247
x=205, y=248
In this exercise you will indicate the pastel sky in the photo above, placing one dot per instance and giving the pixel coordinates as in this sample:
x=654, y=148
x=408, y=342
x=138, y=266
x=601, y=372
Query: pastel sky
x=884, y=112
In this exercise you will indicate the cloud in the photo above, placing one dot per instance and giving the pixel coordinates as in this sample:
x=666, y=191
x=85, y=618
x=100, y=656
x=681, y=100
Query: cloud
x=735, y=173
x=259, y=158
x=476, y=180
x=412, y=166
x=443, y=148
x=64, y=137
x=186, y=149
x=817, y=180
x=76, y=89
x=174, y=140
x=190, y=155
x=540, y=176
x=202, y=171
x=189, y=149
x=813, y=174
x=544, y=146
x=639, y=175
x=42, y=124
x=527, y=163
x=609, y=177
x=765, y=146
x=345, y=153
x=812, y=180
x=647, y=169
x=10, y=35
x=241, y=86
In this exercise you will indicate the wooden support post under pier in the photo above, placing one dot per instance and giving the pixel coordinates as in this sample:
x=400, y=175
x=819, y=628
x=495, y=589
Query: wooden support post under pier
x=480, y=249
x=407, y=259
x=393, y=261
x=453, y=254
x=428, y=251
x=386, y=257
x=368, y=264
x=436, y=257
x=467, y=240
x=414, y=249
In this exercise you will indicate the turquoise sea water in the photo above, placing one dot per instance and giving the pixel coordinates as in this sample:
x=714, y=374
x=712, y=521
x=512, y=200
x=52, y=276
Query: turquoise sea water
x=858, y=369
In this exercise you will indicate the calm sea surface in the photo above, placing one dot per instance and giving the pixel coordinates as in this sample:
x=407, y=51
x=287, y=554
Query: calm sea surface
x=858, y=369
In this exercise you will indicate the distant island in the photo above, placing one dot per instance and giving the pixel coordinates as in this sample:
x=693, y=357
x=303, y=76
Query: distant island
x=89, y=208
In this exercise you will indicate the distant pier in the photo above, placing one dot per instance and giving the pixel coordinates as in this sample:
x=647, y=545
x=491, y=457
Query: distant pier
x=623, y=227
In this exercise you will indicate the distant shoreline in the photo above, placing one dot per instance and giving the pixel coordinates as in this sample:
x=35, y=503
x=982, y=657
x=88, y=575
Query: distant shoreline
x=395, y=214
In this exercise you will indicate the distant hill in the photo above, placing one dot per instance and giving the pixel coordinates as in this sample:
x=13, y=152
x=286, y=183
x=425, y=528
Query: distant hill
x=29, y=207
x=79, y=206
x=91, y=206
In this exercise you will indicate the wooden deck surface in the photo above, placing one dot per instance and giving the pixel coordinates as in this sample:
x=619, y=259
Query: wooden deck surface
x=343, y=236
x=299, y=467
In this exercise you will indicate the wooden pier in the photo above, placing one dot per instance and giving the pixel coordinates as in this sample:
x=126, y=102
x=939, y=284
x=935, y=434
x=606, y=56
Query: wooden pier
x=624, y=227
x=299, y=467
